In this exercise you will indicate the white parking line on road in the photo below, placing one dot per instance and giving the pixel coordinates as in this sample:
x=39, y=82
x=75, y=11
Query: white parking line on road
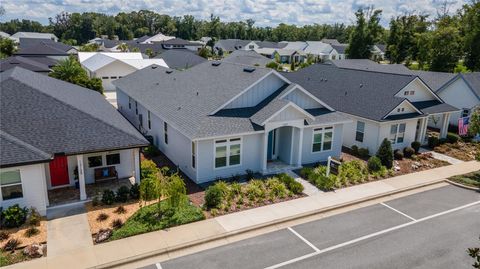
x=398, y=211
x=158, y=265
x=303, y=239
x=369, y=236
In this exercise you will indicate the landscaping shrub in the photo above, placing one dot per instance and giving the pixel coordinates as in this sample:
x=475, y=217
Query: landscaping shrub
x=116, y=223
x=14, y=216
x=363, y=152
x=276, y=189
x=294, y=186
x=148, y=169
x=34, y=217
x=452, y=138
x=374, y=164
x=95, y=201
x=433, y=141
x=442, y=141
x=385, y=153
x=11, y=244
x=416, y=146
x=32, y=231
x=320, y=180
x=235, y=188
x=398, y=154
x=102, y=217
x=148, y=189
x=108, y=197
x=354, y=150
x=353, y=172
x=122, y=194
x=272, y=65
x=255, y=190
x=408, y=152
x=135, y=191
x=213, y=197
x=120, y=210
x=305, y=172
x=4, y=236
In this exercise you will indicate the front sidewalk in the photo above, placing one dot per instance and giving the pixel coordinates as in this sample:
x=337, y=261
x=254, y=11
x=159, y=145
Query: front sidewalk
x=163, y=242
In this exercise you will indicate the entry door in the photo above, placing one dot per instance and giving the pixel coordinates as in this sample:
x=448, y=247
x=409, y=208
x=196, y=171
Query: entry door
x=59, y=171
x=272, y=141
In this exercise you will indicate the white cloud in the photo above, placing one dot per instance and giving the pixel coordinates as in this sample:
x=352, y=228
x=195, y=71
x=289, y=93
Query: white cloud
x=264, y=12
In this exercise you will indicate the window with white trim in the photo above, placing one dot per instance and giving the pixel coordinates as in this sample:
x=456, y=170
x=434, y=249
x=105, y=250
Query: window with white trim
x=359, y=134
x=397, y=133
x=193, y=154
x=228, y=152
x=11, y=185
x=465, y=112
x=165, y=132
x=129, y=102
x=113, y=158
x=149, y=120
x=405, y=93
x=95, y=161
x=322, y=139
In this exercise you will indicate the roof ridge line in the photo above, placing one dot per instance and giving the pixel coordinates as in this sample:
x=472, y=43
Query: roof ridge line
x=71, y=106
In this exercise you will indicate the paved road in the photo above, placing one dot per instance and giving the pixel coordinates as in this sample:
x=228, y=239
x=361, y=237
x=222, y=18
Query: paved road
x=431, y=229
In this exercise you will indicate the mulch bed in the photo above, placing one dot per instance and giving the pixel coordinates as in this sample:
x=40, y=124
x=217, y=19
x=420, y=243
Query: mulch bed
x=461, y=150
x=19, y=234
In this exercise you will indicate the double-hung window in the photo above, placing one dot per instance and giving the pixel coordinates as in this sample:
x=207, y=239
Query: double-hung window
x=193, y=154
x=228, y=152
x=165, y=132
x=397, y=133
x=322, y=139
x=113, y=159
x=11, y=185
x=360, y=131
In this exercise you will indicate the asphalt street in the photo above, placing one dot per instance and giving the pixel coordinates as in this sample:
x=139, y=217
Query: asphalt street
x=431, y=229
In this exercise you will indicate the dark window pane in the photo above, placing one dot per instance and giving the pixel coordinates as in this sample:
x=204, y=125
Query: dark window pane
x=235, y=159
x=220, y=162
x=94, y=161
x=359, y=137
x=317, y=147
x=12, y=192
x=327, y=145
x=113, y=159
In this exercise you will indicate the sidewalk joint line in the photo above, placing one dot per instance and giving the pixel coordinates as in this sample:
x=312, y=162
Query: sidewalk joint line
x=158, y=265
x=398, y=211
x=304, y=240
x=370, y=236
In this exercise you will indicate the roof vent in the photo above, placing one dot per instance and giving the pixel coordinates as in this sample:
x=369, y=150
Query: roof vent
x=169, y=71
x=197, y=93
x=326, y=80
x=154, y=67
x=361, y=85
x=321, y=79
x=249, y=69
x=216, y=63
x=345, y=93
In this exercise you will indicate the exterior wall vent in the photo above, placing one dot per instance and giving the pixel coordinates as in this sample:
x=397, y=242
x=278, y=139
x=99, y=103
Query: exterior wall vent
x=248, y=69
x=169, y=71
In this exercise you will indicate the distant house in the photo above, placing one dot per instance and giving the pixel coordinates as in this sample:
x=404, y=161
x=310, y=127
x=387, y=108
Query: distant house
x=247, y=57
x=294, y=45
x=179, y=43
x=378, y=52
x=114, y=65
x=157, y=38
x=230, y=45
x=323, y=51
x=382, y=105
x=286, y=56
x=33, y=47
x=218, y=119
x=180, y=59
x=48, y=36
x=24, y=62
x=55, y=135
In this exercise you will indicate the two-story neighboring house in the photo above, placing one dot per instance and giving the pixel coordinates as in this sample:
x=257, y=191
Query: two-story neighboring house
x=382, y=105
x=219, y=119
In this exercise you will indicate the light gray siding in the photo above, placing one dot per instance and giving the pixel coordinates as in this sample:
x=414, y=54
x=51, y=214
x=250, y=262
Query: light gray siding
x=312, y=157
x=285, y=137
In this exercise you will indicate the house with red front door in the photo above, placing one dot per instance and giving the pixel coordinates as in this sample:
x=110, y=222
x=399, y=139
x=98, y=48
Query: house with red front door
x=57, y=138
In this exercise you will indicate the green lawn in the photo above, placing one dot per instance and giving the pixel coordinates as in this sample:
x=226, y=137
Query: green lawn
x=470, y=179
x=7, y=258
x=147, y=219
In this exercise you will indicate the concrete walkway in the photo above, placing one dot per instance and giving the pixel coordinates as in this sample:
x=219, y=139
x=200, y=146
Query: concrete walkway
x=440, y=156
x=67, y=230
x=174, y=241
x=308, y=188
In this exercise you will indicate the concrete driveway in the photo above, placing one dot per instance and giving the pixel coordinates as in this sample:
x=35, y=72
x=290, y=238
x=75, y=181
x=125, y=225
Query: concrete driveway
x=432, y=229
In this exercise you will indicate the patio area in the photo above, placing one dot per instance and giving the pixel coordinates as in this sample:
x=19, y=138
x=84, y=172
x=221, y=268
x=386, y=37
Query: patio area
x=68, y=195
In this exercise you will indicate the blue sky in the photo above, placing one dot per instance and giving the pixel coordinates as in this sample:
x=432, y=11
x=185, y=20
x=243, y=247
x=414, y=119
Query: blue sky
x=264, y=12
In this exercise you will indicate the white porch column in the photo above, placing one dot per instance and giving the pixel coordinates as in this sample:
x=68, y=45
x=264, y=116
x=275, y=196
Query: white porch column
x=423, y=130
x=444, y=127
x=136, y=165
x=300, y=146
x=265, y=149
x=81, y=177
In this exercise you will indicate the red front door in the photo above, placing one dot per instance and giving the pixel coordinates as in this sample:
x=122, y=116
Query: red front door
x=59, y=171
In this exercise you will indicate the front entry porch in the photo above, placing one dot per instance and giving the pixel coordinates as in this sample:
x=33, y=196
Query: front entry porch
x=282, y=149
x=438, y=122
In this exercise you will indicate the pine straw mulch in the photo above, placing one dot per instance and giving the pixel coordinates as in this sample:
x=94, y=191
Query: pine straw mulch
x=465, y=151
x=19, y=234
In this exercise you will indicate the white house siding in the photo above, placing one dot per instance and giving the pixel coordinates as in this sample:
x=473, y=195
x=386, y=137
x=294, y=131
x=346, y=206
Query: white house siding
x=285, y=136
x=313, y=157
x=288, y=114
x=258, y=92
x=115, y=69
x=459, y=95
x=178, y=149
x=420, y=92
x=302, y=100
x=410, y=131
x=34, y=188
x=403, y=108
x=250, y=158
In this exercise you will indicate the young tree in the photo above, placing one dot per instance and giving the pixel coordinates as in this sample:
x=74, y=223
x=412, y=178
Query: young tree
x=123, y=47
x=385, y=153
x=474, y=124
x=149, y=52
x=71, y=71
x=7, y=47
x=92, y=47
x=204, y=52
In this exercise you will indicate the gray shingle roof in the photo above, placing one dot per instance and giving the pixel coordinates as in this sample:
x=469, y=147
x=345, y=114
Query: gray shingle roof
x=59, y=117
x=24, y=62
x=14, y=152
x=27, y=42
x=270, y=44
x=340, y=48
x=269, y=110
x=247, y=57
x=185, y=99
x=44, y=48
x=434, y=106
x=181, y=59
x=366, y=94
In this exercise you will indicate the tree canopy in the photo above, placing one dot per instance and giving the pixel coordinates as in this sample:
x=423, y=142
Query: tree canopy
x=71, y=71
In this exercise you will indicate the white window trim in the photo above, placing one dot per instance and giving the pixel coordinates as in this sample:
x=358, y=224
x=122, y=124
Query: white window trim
x=357, y=131
x=113, y=153
x=397, y=133
x=323, y=139
x=193, y=162
x=227, y=143
x=165, y=133
x=21, y=184
x=103, y=158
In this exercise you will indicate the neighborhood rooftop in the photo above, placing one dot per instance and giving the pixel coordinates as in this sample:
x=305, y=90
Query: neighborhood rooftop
x=61, y=118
